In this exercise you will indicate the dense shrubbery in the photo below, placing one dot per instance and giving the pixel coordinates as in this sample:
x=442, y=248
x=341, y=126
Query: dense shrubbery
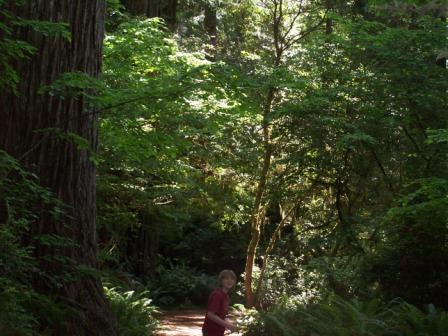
x=23, y=309
x=341, y=317
x=15, y=318
x=181, y=285
x=134, y=311
x=288, y=283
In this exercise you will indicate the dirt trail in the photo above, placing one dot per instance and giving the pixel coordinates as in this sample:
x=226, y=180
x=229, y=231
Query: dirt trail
x=182, y=323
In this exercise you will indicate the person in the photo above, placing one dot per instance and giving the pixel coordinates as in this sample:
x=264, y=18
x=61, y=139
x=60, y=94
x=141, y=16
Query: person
x=215, y=322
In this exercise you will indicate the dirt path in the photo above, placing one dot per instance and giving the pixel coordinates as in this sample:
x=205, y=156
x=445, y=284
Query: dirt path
x=182, y=323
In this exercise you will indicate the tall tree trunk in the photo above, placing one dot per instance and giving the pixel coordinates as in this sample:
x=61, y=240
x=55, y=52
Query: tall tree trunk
x=59, y=164
x=165, y=9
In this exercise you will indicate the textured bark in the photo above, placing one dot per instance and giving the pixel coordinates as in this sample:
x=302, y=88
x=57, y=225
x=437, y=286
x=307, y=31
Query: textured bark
x=165, y=9
x=60, y=166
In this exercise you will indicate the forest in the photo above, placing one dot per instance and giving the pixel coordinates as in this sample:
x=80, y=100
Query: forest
x=146, y=145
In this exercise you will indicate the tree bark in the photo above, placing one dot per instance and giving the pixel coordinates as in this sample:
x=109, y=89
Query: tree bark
x=165, y=9
x=63, y=168
x=211, y=28
x=142, y=246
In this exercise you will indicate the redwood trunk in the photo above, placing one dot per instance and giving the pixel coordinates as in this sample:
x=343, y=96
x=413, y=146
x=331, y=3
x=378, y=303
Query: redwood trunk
x=165, y=9
x=60, y=166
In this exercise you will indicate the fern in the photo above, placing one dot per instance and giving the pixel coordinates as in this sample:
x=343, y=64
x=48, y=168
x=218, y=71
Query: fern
x=134, y=312
x=340, y=317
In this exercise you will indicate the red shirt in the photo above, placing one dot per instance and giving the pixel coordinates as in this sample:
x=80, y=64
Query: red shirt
x=218, y=303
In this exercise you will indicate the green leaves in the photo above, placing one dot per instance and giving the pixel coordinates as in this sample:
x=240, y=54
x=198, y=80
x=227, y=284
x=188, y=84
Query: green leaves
x=352, y=317
x=358, y=124
x=351, y=140
x=166, y=140
x=55, y=29
x=134, y=311
x=21, y=308
x=437, y=136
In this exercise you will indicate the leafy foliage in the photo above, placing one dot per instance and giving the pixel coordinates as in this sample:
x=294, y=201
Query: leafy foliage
x=22, y=308
x=181, y=148
x=341, y=317
x=16, y=49
x=161, y=162
x=288, y=283
x=134, y=312
x=181, y=285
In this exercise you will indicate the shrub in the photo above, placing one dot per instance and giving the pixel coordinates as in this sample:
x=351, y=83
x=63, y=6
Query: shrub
x=15, y=319
x=340, y=317
x=287, y=283
x=22, y=309
x=134, y=312
x=408, y=320
x=180, y=284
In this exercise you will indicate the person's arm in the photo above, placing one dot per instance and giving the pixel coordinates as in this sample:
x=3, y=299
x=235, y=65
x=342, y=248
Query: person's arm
x=226, y=324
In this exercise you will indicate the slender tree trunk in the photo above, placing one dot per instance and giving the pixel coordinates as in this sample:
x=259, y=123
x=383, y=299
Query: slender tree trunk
x=256, y=217
x=211, y=28
x=257, y=210
x=283, y=39
x=328, y=21
x=60, y=165
x=268, y=251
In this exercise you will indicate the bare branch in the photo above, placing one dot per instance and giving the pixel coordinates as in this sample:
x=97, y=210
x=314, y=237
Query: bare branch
x=276, y=27
x=298, y=37
x=293, y=21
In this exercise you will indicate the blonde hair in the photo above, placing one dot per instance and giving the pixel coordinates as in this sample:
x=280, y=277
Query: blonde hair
x=226, y=274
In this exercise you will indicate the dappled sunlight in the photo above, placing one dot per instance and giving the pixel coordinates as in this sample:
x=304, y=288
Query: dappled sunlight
x=176, y=323
x=183, y=323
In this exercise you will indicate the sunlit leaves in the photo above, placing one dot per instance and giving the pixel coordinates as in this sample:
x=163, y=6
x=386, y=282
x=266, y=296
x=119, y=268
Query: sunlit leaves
x=168, y=139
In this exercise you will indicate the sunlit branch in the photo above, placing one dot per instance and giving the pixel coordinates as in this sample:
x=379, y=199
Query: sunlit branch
x=295, y=39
